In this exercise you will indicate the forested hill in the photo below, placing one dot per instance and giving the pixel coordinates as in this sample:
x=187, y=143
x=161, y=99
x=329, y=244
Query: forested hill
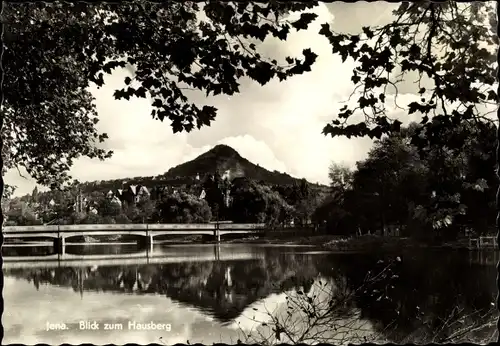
x=220, y=158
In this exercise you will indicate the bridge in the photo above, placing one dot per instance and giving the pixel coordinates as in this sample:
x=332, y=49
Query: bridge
x=147, y=232
x=483, y=242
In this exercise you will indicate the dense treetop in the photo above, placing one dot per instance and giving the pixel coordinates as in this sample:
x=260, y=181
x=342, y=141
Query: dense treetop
x=449, y=45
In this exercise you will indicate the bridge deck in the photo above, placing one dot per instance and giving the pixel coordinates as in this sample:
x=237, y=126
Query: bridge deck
x=152, y=230
x=130, y=227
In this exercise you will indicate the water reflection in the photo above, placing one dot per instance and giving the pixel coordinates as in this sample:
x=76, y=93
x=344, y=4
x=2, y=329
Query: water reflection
x=209, y=293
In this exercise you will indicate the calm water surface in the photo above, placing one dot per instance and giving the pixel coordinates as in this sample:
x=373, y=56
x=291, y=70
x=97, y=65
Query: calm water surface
x=209, y=293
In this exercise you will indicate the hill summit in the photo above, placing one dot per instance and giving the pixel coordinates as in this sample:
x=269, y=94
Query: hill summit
x=219, y=159
x=222, y=158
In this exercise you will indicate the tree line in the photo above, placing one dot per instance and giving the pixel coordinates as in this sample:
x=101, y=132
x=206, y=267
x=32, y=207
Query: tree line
x=428, y=192
x=241, y=200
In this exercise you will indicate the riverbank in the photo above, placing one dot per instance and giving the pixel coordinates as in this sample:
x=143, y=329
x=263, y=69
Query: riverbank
x=368, y=243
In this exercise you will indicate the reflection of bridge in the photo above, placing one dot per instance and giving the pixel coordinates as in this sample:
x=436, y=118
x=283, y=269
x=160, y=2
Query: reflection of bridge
x=59, y=233
x=140, y=258
x=488, y=258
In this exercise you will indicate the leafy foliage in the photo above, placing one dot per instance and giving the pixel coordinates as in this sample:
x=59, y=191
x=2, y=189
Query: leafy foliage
x=92, y=219
x=54, y=51
x=256, y=203
x=146, y=209
x=108, y=207
x=340, y=177
x=19, y=213
x=183, y=208
x=215, y=189
x=122, y=219
x=449, y=44
x=424, y=196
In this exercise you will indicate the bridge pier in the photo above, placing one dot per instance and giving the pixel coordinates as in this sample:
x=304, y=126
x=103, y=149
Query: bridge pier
x=217, y=235
x=60, y=245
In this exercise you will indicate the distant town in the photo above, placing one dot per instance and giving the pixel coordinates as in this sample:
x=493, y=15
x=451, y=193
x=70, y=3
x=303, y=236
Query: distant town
x=224, y=194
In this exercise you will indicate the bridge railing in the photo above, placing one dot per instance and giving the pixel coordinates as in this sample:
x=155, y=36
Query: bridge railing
x=487, y=241
x=138, y=227
x=180, y=226
x=483, y=242
x=241, y=226
x=14, y=229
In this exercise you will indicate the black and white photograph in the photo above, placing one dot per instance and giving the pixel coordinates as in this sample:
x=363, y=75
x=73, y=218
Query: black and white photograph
x=272, y=172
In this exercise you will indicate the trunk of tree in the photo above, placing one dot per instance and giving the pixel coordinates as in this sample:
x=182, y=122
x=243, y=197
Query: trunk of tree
x=498, y=204
x=1, y=180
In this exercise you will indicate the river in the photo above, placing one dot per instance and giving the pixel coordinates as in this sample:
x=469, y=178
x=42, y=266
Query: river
x=222, y=293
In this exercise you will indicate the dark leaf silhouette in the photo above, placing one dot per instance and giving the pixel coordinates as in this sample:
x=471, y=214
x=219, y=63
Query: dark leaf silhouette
x=55, y=51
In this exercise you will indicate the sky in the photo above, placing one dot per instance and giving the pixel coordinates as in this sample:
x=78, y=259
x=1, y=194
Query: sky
x=277, y=126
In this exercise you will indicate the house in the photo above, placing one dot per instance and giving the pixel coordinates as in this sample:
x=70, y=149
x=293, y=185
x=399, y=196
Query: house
x=119, y=193
x=116, y=200
x=128, y=195
x=133, y=189
x=136, y=193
